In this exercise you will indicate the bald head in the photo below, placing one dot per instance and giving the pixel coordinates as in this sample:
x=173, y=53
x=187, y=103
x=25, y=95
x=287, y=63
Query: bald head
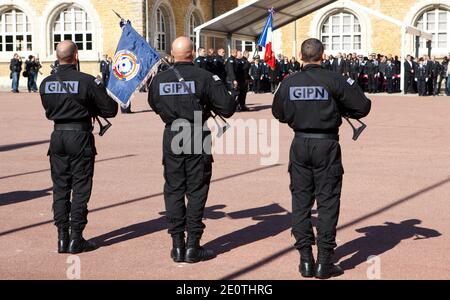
x=183, y=49
x=67, y=52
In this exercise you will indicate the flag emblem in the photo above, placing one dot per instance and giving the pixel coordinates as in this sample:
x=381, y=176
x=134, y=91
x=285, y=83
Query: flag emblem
x=125, y=65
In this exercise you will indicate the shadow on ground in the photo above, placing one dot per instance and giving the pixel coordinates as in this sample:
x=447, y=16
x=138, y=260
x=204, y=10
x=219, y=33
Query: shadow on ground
x=22, y=196
x=380, y=239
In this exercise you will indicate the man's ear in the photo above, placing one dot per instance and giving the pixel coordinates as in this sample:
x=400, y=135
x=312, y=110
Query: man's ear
x=76, y=57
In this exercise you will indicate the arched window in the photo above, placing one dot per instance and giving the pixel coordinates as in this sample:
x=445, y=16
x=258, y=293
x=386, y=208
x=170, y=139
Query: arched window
x=15, y=31
x=437, y=22
x=161, y=34
x=74, y=24
x=195, y=21
x=341, y=32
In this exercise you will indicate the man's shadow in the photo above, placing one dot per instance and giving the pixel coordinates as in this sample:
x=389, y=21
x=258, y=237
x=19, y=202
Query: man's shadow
x=380, y=239
x=22, y=196
x=273, y=220
x=148, y=227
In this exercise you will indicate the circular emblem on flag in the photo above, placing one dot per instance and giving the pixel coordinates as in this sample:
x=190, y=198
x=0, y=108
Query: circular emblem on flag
x=125, y=66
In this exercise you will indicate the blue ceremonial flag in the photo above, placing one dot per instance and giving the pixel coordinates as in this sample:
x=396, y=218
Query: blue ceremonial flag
x=133, y=64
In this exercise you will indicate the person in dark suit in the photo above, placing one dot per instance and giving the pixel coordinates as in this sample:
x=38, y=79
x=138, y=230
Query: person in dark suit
x=15, y=67
x=422, y=75
x=442, y=76
x=409, y=75
x=353, y=68
x=256, y=73
x=326, y=64
x=294, y=66
x=398, y=72
x=372, y=70
x=338, y=65
x=434, y=75
x=389, y=76
x=429, y=64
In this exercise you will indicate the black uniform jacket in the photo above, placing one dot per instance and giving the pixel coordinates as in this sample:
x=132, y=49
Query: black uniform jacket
x=88, y=97
x=315, y=100
x=170, y=99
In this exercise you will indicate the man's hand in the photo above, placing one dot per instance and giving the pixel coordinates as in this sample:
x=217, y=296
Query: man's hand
x=235, y=84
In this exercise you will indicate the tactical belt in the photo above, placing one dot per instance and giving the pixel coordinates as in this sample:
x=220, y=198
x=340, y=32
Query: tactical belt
x=328, y=136
x=74, y=127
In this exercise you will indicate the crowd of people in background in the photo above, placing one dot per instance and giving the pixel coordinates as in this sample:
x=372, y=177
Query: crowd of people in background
x=375, y=73
x=31, y=71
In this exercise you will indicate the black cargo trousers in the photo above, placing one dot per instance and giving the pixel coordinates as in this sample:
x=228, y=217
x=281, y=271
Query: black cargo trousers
x=186, y=175
x=72, y=156
x=316, y=173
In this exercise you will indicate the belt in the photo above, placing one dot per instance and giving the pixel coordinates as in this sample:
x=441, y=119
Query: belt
x=328, y=136
x=74, y=127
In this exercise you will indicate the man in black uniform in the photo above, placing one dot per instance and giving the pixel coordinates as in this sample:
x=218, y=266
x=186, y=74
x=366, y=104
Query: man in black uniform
x=372, y=73
x=409, y=75
x=389, y=75
x=256, y=74
x=422, y=74
x=312, y=103
x=353, y=68
x=178, y=95
x=72, y=146
x=218, y=65
x=242, y=76
x=435, y=71
x=104, y=69
x=202, y=60
x=231, y=68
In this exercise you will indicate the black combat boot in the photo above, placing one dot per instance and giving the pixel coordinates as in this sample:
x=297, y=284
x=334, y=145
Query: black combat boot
x=178, y=252
x=195, y=253
x=307, y=264
x=63, y=240
x=78, y=244
x=325, y=267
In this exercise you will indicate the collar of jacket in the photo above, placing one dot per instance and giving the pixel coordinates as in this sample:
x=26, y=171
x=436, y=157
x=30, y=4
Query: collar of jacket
x=67, y=67
x=184, y=63
x=311, y=66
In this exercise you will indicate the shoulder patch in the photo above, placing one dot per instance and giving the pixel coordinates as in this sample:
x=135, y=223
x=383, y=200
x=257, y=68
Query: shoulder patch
x=350, y=81
x=98, y=81
x=216, y=78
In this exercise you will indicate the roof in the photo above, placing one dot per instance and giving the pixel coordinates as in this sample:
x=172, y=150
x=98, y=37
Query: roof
x=249, y=19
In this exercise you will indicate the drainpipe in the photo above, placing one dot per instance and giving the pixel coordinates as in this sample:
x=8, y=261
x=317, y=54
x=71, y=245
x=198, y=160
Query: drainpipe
x=213, y=8
x=146, y=21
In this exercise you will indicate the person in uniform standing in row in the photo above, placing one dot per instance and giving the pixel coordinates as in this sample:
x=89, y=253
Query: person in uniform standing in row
x=313, y=102
x=256, y=74
x=390, y=72
x=372, y=74
x=202, y=60
x=242, y=76
x=178, y=95
x=71, y=99
x=231, y=69
x=422, y=75
x=218, y=65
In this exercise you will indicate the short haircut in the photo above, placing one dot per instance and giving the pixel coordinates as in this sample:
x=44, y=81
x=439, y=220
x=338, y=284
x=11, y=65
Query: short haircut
x=312, y=50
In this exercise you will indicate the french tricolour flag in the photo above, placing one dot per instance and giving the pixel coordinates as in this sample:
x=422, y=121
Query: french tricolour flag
x=265, y=41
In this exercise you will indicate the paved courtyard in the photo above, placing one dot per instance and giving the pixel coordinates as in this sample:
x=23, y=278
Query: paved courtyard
x=395, y=202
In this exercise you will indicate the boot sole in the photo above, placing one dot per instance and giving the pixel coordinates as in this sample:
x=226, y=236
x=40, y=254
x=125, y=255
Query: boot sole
x=194, y=261
x=329, y=276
